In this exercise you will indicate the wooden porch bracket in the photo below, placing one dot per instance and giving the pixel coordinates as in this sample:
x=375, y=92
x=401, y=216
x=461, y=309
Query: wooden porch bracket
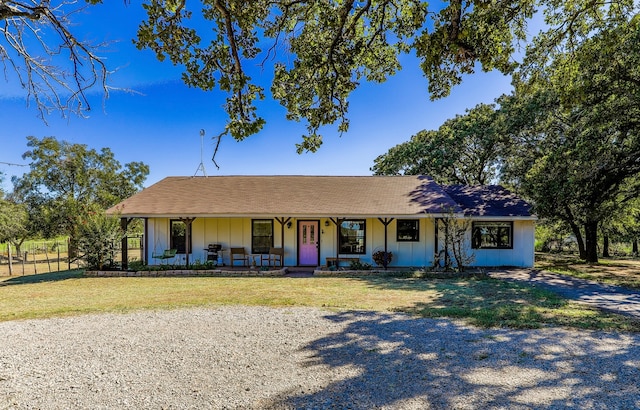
x=385, y=222
x=282, y=221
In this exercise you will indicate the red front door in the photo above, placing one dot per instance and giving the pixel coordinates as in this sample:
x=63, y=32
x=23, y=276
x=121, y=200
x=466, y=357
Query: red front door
x=308, y=243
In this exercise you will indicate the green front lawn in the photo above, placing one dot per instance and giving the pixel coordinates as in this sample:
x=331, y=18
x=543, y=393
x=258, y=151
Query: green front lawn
x=613, y=271
x=481, y=302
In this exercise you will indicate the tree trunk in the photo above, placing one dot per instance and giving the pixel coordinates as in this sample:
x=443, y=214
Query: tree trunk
x=72, y=248
x=634, y=249
x=18, y=245
x=591, y=241
x=605, y=246
x=578, y=234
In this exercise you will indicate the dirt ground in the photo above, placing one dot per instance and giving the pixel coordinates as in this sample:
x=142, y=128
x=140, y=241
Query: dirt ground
x=46, y=263
x=31, y=267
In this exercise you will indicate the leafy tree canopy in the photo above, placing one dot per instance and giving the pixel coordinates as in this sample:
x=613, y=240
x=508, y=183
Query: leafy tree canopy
x=322, y=50
x=319, y=50
x=67, y=182
x=568, y=138
x=576, y=131
x=13, y=221
x=464, y=150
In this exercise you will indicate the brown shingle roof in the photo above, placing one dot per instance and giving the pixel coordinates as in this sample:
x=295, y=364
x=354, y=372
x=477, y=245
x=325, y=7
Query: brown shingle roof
x=288, y=196
x=488, y=200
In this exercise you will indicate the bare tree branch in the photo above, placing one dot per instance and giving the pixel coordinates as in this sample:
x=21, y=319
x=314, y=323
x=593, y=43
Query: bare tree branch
x=56, y=74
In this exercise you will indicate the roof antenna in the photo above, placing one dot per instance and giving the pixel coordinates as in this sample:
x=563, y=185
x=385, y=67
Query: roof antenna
x=201, y=166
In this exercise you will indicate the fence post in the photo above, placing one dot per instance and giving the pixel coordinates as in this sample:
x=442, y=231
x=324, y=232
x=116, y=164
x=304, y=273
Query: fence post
x=58, y=248
x=46, y=254
x=9, y=255
x=23, y=261
x=35, y=265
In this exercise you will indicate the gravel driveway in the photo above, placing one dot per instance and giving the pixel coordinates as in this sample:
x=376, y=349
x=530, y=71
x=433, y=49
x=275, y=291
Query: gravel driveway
x=254, y=357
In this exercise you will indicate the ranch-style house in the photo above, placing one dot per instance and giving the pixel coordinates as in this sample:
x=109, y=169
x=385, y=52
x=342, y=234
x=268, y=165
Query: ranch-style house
x=325, y=220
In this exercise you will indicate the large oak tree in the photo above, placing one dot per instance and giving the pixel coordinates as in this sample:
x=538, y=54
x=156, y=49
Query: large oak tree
x=576, y=132
x=568, y=138
x=68, y=182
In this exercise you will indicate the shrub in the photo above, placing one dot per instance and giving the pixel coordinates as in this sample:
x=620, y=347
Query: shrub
x=206, y=265
x=453, y=232
x=382, y=258
x=137, y=265
x=357, y=265
x=98, y=237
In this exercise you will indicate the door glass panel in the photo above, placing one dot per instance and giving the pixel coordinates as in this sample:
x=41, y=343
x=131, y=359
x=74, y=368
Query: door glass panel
x=304, y=234
x=313, y=234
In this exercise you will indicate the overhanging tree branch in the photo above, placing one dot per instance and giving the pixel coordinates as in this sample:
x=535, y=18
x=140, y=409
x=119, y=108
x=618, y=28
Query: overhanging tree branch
x=56, y=74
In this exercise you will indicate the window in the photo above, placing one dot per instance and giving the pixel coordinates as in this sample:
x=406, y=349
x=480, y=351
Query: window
x=492, y=235
x=178, y=235
x=408, y=230
x=261, y=235
x=352, y=235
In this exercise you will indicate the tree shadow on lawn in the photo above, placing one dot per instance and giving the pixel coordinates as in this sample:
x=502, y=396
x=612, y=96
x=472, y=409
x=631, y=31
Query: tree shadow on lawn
x=608, y=270
x=490, y=302
x=608, y=297
x=43, y=277
x=483, y=302
x=390, y=360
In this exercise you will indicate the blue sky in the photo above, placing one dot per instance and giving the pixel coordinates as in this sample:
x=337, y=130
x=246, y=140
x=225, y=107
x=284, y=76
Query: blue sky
x=160, y=123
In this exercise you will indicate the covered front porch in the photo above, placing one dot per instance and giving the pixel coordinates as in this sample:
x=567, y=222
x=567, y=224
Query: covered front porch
x=305, y=241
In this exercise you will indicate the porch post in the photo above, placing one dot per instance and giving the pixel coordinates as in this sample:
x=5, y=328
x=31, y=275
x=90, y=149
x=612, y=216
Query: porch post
x=336, y=222
x=435, y=242
x=385, y=222
x=281, y=232
x=145, y=246
x=187, y=234
x=124, y=247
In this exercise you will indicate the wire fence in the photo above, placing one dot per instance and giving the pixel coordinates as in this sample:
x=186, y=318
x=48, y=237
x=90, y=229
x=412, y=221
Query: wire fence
x=35, y=257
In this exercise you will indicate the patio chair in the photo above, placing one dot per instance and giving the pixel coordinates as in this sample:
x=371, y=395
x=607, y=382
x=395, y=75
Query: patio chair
x=275, y=255
x=239, y=254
